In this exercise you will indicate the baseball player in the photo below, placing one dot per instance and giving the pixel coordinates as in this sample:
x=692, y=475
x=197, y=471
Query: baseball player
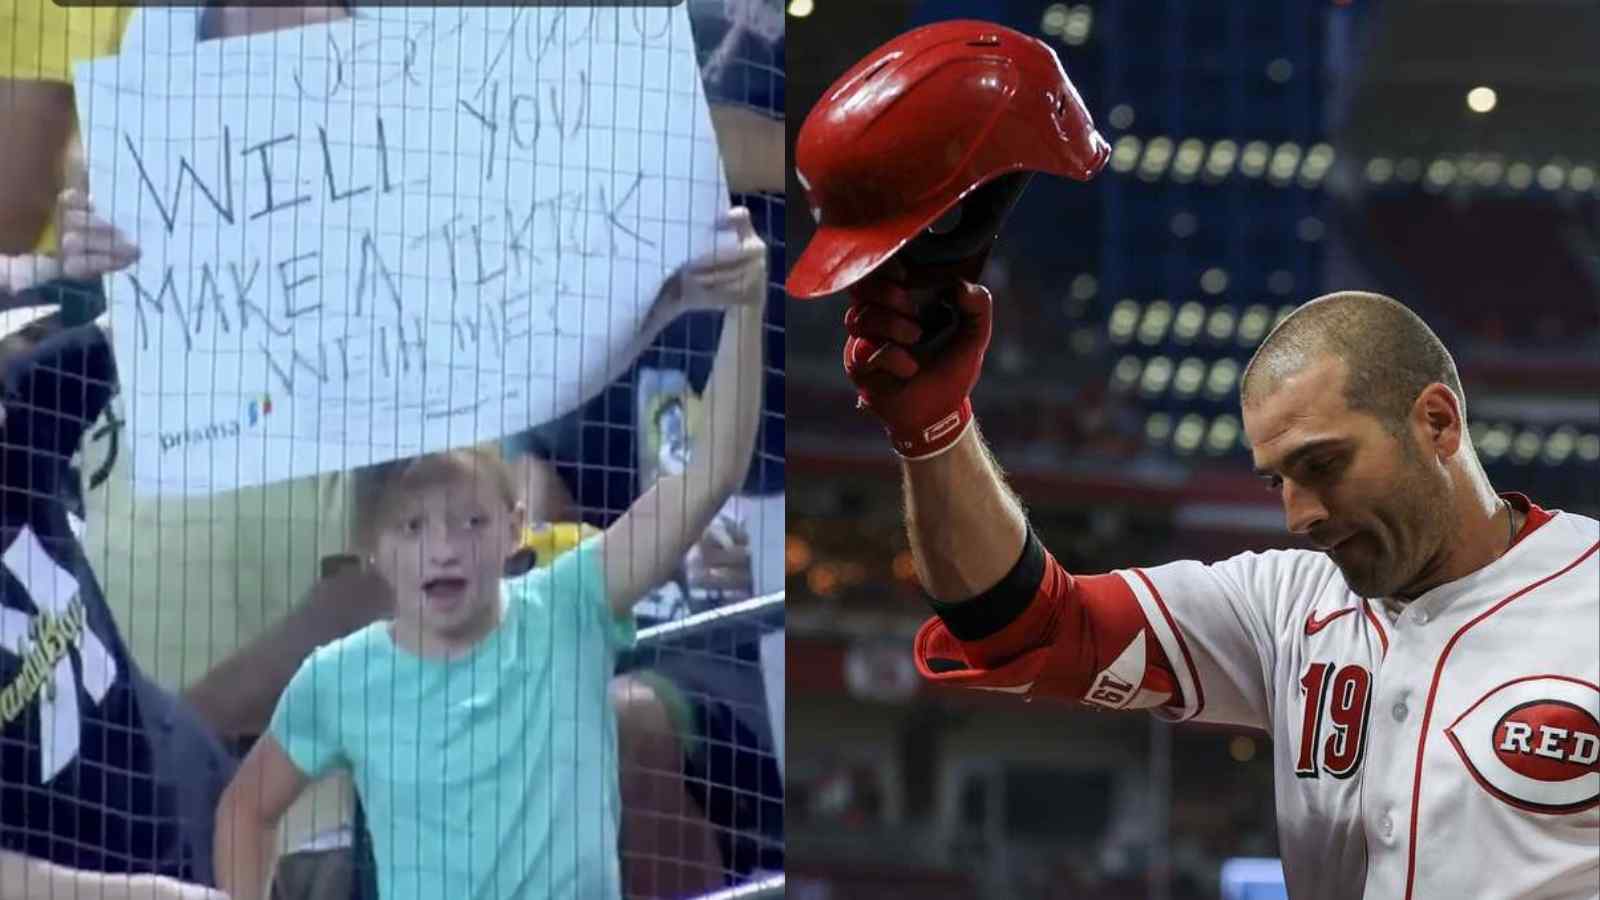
x=1428, y=673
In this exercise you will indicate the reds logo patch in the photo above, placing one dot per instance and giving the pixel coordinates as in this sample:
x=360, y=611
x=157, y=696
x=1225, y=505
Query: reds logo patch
x=1535, y=743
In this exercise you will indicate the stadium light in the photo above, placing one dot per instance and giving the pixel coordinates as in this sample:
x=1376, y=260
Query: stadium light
x=1254, y=159
x=1055, y=17
x=1588, y=448
x=1124, y=318
x=1551, y=176
x=1079, y=21
x=1560, y=445
x=1190, y=317
x=1157, y=154
x=1220, y=327
x=801, y=8
x=1219, y=384
x=1280, y=70
x=1380, y=169
x=1224, y=432
x=1158, y=428
x=1316, y=164
x=1441, y=172
x=1481, y=99
x=1283, y=163
x=1084, y=286
x=1190, y=154
x=1488, y=172
x=823, y=580
x=1223, y=155
x=1526, y=446
x=1125, y=155
x=1495, y=443
x=1190, y=373
x=1519, y=175
x=1121, y=116
x=796, y=554
x=1189, y=433
x=1125, y=374
x=1253, y=327
x=1157, y=317
x=1214, y=281
x=1581, y=178
x=1157, y=374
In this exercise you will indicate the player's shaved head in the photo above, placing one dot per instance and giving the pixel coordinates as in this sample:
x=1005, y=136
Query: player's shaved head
x=1390, y=354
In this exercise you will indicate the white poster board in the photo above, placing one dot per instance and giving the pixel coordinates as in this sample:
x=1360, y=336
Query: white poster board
x=413, y=230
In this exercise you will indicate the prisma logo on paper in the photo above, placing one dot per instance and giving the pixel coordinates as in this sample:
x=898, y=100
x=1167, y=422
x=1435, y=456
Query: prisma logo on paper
x=254, y=412
x=259, y=409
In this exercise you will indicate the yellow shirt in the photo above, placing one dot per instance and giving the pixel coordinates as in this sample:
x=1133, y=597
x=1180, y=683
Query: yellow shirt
x=40, y=41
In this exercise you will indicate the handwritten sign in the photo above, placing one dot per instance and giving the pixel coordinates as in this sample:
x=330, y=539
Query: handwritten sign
x=412, y=230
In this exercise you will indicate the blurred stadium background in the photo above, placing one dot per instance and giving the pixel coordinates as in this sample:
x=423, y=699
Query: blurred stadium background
x=1443, y=152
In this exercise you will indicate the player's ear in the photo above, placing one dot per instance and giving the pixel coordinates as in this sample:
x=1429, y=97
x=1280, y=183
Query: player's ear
x=1439, y=411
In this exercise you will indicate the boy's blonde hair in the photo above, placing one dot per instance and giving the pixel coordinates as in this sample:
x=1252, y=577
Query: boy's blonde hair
x=379, y=489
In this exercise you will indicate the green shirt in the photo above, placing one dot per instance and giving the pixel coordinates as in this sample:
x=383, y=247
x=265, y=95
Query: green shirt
x=487, y=777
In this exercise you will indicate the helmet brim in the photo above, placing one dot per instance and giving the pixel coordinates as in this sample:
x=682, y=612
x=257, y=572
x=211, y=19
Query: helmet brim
x=838, y=256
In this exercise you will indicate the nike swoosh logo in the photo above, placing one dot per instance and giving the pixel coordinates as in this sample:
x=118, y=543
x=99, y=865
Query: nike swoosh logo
x=1314, y=625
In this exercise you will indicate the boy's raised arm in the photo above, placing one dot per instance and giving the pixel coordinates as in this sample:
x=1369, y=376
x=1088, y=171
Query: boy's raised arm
x=647, y=543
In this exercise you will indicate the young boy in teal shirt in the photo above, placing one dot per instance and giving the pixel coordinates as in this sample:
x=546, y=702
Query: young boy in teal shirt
x=476, y=724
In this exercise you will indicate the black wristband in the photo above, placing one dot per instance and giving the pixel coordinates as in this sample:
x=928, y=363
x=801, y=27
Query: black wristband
x=991, y=611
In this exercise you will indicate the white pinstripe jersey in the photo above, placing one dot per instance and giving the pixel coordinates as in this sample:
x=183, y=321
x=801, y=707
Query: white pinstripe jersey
x=1449, y=750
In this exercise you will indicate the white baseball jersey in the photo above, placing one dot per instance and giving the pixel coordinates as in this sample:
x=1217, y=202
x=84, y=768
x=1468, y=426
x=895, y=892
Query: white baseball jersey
x=1449, y=750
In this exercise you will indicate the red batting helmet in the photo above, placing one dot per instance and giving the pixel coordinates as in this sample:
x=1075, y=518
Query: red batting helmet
x=919, y=124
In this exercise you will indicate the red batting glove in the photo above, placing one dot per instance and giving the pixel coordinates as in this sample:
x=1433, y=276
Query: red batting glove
x=923, y=403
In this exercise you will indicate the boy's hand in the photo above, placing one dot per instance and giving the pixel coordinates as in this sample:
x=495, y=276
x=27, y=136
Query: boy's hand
x=724, y=279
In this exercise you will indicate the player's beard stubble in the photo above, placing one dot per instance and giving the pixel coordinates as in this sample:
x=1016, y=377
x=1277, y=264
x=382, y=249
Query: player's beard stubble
x=1394, y=554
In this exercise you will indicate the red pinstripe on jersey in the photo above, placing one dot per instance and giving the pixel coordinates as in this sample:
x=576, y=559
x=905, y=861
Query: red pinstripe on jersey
x=1433, y=690
x=1383, y=637
x=1183, y=646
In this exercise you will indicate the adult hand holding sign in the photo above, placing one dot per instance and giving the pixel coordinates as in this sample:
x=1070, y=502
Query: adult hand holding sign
x=90, y=247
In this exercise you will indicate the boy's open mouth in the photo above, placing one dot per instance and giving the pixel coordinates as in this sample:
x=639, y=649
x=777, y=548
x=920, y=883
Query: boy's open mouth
x=445, y=593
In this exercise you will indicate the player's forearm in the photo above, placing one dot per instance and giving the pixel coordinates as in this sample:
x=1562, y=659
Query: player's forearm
x=965, y=526
x=246, y=850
